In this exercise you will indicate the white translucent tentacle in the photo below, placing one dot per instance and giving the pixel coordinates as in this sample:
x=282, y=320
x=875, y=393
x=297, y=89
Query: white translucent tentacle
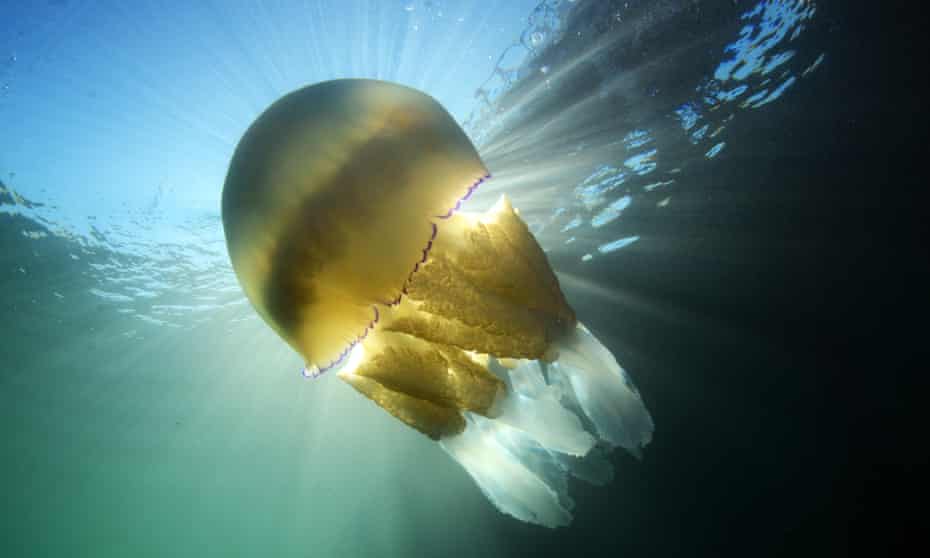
x=504, y=475
x=604, y=391
x=547, y=427
x=534, y=408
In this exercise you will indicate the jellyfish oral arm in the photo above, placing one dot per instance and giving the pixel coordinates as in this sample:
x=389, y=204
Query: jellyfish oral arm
x=517, y=392
x=554, y=422
x=604, y=391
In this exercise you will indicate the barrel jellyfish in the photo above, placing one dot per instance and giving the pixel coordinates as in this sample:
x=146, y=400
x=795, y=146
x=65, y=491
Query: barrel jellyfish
x=342, y=210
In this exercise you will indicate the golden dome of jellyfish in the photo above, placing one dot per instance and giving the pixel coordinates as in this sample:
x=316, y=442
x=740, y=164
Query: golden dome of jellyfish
x=342, y=217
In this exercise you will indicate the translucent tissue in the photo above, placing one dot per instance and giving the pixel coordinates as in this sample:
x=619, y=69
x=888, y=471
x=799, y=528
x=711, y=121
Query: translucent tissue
x=557, y=419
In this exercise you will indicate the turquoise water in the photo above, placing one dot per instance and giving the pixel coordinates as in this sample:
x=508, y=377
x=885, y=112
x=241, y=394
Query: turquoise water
x=146, y=409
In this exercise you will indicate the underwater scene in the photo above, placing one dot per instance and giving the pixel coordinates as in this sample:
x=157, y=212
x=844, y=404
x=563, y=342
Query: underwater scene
x=387, y=278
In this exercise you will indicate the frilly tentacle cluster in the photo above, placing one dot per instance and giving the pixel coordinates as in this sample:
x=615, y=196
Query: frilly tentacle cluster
x=313, y=371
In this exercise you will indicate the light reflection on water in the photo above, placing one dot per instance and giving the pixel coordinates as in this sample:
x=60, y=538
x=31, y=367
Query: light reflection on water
x=577, y=153
x=760, y=58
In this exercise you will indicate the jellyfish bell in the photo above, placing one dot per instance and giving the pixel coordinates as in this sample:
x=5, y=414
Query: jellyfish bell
x=342, y=210
x=328, y=204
